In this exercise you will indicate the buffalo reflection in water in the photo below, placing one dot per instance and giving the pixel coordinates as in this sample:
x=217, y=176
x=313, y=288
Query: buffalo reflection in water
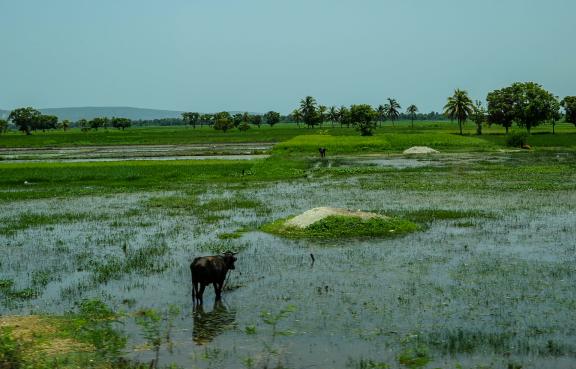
x=209, y=325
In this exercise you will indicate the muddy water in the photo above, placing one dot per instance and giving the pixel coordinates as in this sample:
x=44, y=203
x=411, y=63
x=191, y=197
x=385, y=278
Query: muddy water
x=492, y=292
x=137, y=152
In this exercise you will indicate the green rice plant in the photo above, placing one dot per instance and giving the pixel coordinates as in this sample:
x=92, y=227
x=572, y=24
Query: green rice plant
x=366, y=364
x=309, y=144
x=221, y=247
x=95, y=323
x=183, y=203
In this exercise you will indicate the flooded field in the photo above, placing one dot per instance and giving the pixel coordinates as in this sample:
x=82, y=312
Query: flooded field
x=136, y=152
x=488, y=282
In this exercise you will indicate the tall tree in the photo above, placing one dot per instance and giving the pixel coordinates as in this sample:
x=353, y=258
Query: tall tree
x=256, y=119
x=381, y=113
x=322, y=114
x=412, y=110
x=65, y=124
x=309, y=111
x=237, y=119
x=363, y=118
x=98, y=122
x=344, y=116
x=120, y=123
x=272, y=117
x=296, y=116
x=392, y=110
x=333, y=115
x=569, y=105
x=25, y=119
x=223, y=121
x=459, y=107
x=3, y=126
x=529, y=105
x=45, y=122
x=501, y=107
x=478, y=116
x=206, y=119
x=191, y=118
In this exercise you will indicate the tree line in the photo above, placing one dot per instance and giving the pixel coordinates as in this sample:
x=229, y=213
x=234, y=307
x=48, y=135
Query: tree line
x=224, y=121
x=525, y=104
x=28, y=120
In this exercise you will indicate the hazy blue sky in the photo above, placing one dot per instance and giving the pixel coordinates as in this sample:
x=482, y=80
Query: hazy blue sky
x=257, y=55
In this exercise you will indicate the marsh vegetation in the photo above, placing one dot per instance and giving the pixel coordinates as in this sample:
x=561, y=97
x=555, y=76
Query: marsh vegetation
x=487, y=281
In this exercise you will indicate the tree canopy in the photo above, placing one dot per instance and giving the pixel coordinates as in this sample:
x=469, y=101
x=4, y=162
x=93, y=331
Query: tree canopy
x=363, y=118
x=569, y=105
x=459, y=107
x=272, y=118
x=26, y=119
x=525, y=103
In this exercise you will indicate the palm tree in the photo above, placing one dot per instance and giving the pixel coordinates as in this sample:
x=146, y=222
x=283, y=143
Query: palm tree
x=309, y=111
x=459, y=106
x=381, y=111
x=392, y=110
x=297, y=116
x=412, y=110
x=344, y=116
x=322, y=113
x=333, y=115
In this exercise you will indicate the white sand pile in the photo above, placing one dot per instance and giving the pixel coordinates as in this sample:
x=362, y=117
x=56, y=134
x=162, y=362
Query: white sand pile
x=420, y=150
x=314, y=215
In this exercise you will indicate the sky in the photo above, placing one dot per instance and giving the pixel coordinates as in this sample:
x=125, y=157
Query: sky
x=260, y=55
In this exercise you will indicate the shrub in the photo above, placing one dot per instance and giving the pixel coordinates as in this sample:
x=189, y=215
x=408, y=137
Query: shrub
x=517, y=139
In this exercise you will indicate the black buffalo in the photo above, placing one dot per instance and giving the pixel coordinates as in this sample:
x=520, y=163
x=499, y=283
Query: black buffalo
x=210, y=269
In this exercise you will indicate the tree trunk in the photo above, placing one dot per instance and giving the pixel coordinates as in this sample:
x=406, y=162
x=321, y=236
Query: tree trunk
x=506, y=130
x=460, y=125
x=553, y=128
x=412, y=122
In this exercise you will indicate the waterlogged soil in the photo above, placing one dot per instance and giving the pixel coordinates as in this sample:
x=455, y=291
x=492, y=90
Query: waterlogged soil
x=491, y=289
x=138, y=152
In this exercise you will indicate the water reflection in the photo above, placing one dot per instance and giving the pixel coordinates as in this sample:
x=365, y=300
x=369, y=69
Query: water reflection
x=208, y=325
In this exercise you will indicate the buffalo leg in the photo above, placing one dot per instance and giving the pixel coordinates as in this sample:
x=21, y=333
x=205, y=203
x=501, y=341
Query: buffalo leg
x=218, y=290
x=200, y=293
x=194, y=291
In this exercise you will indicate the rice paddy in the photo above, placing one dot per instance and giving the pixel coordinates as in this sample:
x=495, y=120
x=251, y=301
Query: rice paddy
x=486, y=282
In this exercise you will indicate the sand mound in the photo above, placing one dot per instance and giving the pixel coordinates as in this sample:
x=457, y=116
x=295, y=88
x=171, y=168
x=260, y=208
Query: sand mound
x=314, y=215
x=420, y=150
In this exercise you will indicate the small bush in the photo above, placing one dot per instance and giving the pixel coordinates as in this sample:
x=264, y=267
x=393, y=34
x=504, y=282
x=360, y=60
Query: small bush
x=342, y=226
x=517, y=139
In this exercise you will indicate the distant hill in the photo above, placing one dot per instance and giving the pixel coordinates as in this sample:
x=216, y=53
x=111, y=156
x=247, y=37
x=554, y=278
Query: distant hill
x=74, y=114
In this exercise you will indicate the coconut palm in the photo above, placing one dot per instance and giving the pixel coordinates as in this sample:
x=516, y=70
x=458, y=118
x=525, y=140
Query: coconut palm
x=392, y=110
x=412, y=110
x=381, y=112
x=333, y=115
x=322, y=113
x=309, y=111
x=459, y=106
x=297, y=116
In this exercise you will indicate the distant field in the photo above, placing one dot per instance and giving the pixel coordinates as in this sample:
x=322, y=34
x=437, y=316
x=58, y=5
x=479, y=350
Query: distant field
x=278, y=133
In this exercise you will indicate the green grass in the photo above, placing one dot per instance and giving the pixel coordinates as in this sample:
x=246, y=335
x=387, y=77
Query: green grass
x=29, y=220
x=383, y=142
x=342, y=226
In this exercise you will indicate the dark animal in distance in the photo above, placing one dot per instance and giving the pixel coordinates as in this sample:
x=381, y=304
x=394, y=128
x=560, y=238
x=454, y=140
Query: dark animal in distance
x=210, y=269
